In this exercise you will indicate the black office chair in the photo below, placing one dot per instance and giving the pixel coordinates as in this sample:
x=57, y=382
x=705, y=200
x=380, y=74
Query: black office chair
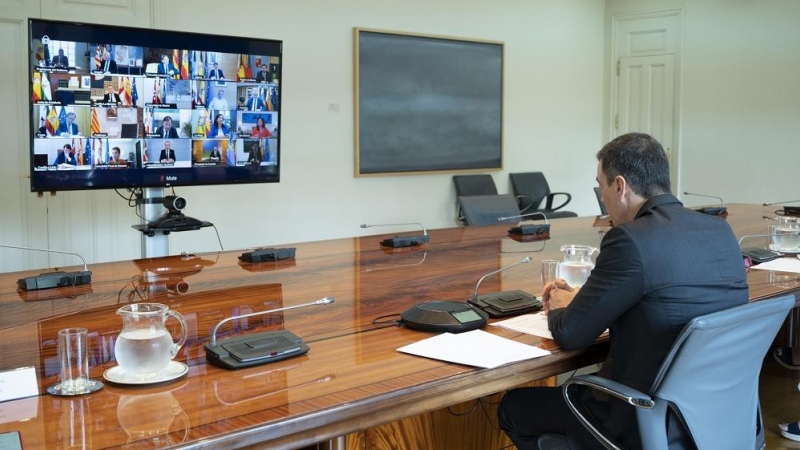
x=470, y=185
x=709, y=379
x=531, y=189
x=598, y=192
x=482, y=210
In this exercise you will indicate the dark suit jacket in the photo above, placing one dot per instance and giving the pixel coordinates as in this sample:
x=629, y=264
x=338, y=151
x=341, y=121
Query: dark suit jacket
x=260, y=105
x=61, y=61
x=173, y=133
x=112, y=66
x=113, y=98
x=216, y=74
x=170, y=69
x=653, y=274
x=164, y=155
x=263, y=77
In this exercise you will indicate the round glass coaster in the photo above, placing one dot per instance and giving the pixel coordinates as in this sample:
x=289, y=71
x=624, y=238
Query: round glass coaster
x=91, y=386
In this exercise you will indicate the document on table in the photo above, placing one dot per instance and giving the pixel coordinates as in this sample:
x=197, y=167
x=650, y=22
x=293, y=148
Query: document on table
x=535, y=324
x=473, y=348
x=786, y=264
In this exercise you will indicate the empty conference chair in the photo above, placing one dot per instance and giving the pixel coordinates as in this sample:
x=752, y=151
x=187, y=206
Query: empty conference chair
x=598, y=192
x=481, y=210
x=531, y=189
x=470, y=185
x=709, y=379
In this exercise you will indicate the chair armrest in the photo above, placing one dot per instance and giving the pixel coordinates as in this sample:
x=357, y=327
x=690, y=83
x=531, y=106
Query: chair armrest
x=552, y=195
x=526, y=203
x=619, y=390
x=625, y=393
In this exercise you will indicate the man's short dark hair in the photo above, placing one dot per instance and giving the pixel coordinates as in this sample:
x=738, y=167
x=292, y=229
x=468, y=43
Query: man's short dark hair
x=638, y=158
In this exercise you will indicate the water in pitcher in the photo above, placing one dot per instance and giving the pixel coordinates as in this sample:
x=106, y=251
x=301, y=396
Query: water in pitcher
x=142, y=351
x=787, y=238
x=575, y=273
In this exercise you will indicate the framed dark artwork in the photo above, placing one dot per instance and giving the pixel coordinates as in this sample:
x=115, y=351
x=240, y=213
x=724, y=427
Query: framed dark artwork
x=426, y=104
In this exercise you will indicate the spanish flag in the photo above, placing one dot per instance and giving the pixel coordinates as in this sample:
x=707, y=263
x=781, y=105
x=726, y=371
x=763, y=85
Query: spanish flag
x=37, y=86
x=98, y=57
x=128, y=96
x=185, y=65
x=52, y=121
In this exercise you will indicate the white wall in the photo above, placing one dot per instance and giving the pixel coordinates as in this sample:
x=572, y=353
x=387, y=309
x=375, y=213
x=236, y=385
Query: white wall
x=740, y=96
x=552, y=122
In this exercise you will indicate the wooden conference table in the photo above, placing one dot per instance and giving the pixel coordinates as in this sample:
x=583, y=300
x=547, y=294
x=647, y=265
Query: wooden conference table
x=351, y=383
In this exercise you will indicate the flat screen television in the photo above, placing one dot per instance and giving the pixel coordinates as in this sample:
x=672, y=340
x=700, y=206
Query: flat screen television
x=119, y=107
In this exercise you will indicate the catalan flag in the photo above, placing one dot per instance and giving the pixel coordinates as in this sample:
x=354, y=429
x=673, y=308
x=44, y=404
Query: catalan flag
x=95, y=122
x=176, y=58
x=52, y=121
x=37, y=86
x=185, y=65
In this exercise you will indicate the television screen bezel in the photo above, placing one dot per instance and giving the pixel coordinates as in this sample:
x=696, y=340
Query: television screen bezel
x=139, y=177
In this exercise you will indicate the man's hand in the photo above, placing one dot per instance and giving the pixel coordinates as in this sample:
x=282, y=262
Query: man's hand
x=557, y=294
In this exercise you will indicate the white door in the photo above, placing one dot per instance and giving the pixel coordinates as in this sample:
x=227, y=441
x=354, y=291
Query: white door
x=645, y=91
x=646, y=101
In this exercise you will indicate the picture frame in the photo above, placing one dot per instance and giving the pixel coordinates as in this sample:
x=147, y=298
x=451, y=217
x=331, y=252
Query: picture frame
x=426, y=104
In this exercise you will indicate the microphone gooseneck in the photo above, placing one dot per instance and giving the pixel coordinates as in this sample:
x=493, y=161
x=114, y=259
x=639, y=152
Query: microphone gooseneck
x=525, y=260
x=780, y=203
x=748, y=236
x=500, y=219
x=322, y=301
x=721, y=203
x=424, y=231
x=85, y=267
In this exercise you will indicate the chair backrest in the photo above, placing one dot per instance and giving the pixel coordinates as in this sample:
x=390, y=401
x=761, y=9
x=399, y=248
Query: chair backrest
x=474, y=185
x=710, y=376
x=487, y=209
x=530, y=184
x=598, y=192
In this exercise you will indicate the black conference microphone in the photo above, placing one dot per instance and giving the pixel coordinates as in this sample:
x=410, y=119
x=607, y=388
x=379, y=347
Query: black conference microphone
x=710, y=210
x=506, y=303
x=787, y=210
x=53, y=279
x=402, y=241
x=758, y=254
x=258, y=348
x=541, y=230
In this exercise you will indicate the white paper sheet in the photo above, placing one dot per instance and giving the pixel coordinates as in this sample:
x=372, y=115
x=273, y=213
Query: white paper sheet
x=473, y=348
x=785, y=264
x=535, y=324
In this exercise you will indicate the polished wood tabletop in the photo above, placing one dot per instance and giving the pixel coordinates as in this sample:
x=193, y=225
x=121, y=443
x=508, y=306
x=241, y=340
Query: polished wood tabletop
x=351, y=378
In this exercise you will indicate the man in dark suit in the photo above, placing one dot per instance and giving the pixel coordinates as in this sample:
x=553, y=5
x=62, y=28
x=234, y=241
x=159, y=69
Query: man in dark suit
x=108, y=65
x=61, y=60
x=263, y=75
x=69, y=127
x=166, y=67
x=167, y=155
x=255, y=103
x=111, y=96
x=216, y=73
x=65, y=156
x=660, y=266
x=166, y=130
